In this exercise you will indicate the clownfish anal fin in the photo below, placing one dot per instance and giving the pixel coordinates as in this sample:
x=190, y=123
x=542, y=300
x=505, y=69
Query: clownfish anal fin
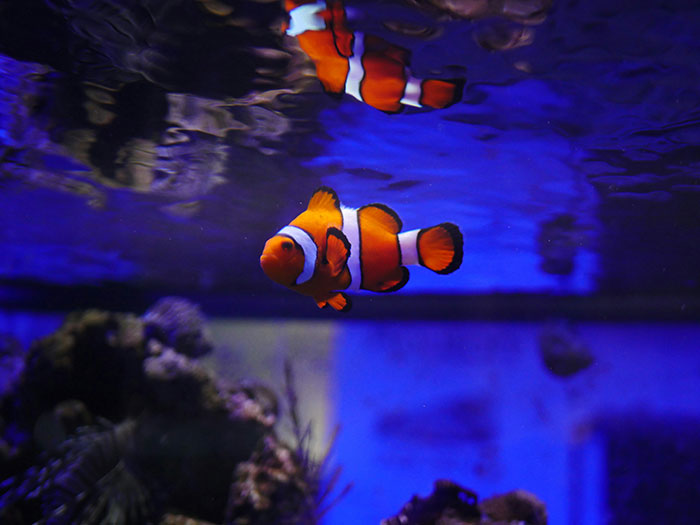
x=322, y=304
x=337, y=251
x=340, y=302
x=396, y=281
x=324, y=198
x=381, y=215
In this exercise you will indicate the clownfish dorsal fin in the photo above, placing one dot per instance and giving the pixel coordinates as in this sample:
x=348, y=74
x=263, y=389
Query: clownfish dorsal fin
x=337, y=251
x=382, y=216
x=324, y=198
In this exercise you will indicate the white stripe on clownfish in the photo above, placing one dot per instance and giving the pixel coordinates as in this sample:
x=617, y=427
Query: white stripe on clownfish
x=408, y=243
x=308, y=246
x=356, y=74
x=356, y=71
x=413, y=90
x=351, y=230
x=306, y=18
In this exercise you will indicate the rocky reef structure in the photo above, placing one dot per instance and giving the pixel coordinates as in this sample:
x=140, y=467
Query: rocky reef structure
x=452, y=504
x=113, y=419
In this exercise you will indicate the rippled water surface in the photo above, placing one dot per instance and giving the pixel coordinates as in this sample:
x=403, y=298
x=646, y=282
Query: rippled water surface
x=138, y=149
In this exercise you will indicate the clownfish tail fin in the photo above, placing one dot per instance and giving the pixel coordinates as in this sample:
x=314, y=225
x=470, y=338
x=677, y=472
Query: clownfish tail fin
x=438, y=93
x=440, y=248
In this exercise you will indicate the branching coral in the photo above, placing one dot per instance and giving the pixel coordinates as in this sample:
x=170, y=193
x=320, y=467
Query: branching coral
x=284, y=484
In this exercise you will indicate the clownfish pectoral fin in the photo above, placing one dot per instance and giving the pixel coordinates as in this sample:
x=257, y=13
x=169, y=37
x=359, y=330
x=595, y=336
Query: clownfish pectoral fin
x=396, y=281
x=338, y=301
x=324, y=198
x=337, y=251
x=440, y=248
x=342, y=36
x=380, y=215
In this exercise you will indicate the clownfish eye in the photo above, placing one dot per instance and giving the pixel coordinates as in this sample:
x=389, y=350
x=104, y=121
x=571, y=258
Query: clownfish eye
x=287, y=245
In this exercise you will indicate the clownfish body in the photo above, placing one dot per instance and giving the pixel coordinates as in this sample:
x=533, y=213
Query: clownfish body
x=367, y=67
x=329, y=249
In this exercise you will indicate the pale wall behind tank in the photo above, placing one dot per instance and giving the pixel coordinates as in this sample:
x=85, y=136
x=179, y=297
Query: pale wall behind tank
x=472, y=401
x=256, y=350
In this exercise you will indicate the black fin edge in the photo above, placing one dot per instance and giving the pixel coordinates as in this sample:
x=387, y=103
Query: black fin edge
x=457, y=240
x=329, y=190
x=335, y=232
x=340, y=235
x=459, y=84
x=348, y=303
x=386, y=209
x=400, y=284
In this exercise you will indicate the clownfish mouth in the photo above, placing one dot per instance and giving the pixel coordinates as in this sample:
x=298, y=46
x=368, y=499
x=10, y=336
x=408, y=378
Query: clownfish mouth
x=266, y=259
x=271, y=266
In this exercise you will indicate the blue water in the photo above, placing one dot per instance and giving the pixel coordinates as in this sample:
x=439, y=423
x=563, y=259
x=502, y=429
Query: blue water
x=595, y=119
x=134, y=168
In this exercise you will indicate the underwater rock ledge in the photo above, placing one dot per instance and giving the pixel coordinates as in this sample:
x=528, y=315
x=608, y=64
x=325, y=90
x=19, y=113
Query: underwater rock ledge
x=452, y=504
x=112, y=419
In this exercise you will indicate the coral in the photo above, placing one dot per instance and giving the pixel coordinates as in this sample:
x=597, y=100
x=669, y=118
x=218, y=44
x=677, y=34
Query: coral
x=284, y=484
x=94, y=357
x=184, y=440
x=177, y=323
x=517, y=506
x=269, y=488
x=448, y=500
x=84, y=480
x=451, y=504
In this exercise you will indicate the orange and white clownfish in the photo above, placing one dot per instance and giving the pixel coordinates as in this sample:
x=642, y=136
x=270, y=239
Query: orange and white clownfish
x=329, y=249
x=367, y=67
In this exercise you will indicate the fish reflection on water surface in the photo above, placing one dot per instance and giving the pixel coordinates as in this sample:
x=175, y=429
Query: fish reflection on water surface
x=329, y=248
x=367, y=67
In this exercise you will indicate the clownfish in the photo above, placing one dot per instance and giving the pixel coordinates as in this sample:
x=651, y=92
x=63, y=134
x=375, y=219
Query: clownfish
x=329, y=249
x=367, y=67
